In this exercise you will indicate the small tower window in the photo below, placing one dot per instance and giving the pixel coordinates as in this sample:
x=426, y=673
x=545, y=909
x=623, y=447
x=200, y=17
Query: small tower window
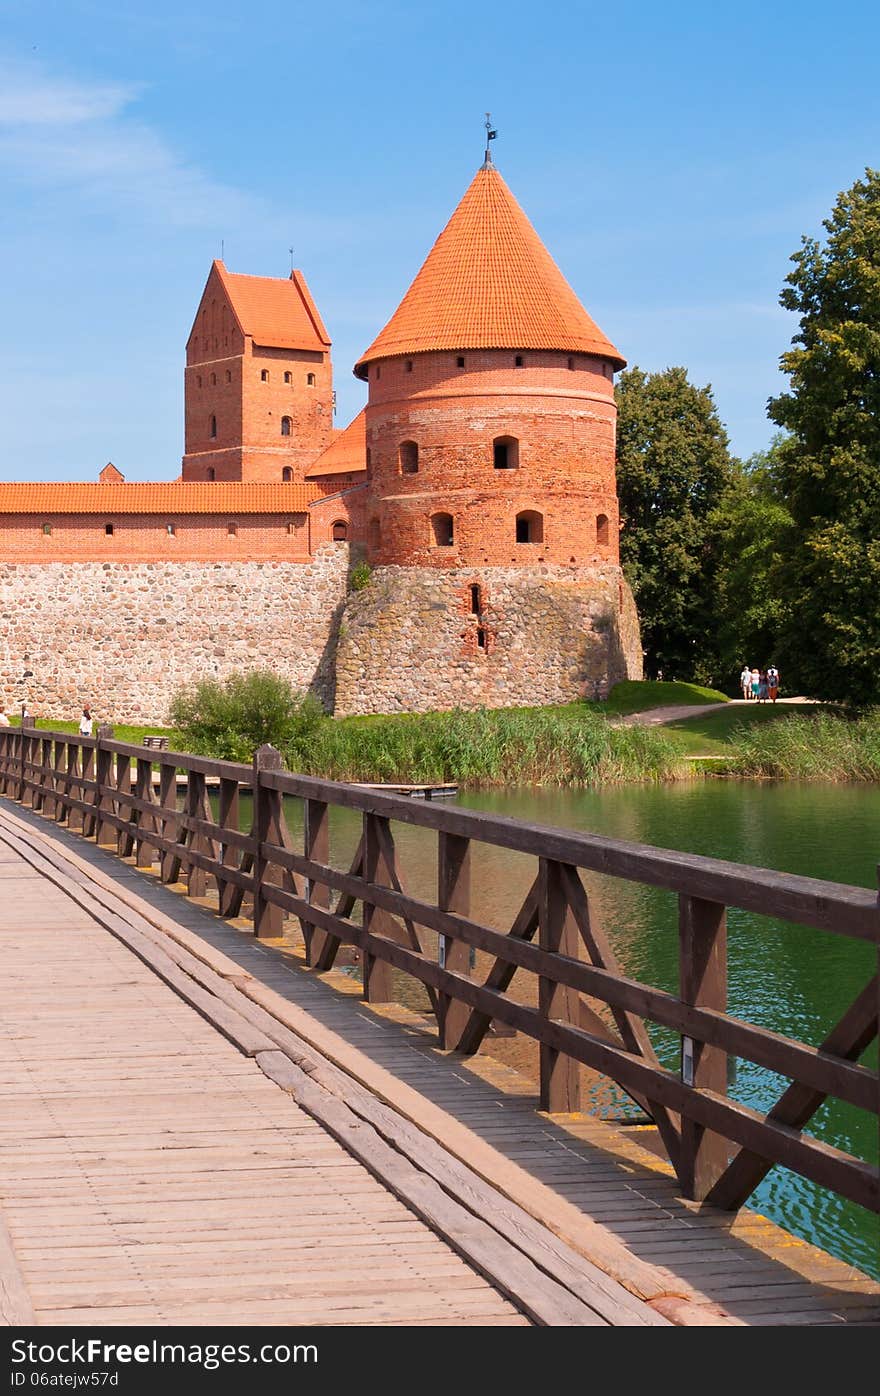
x=213, y=380
x=171, y=530
x=571, y=363
x=310, y=380
x=212, y=474
x=47, y=529
x=408, y=456
x=198, y=380
x=264, y=375
x=459, y=362
x=108, y=529
x=409, y=365
x=602, y=534
x=232, y=530
x=481, y=637
x=442, y=530
x=285, y=426
x=518, y=361
x=505, y=453
x=476, y=599
x=213, y=428
x=378, y=370
x=287, y=474
x=229, y=375
x=529, y=527
x=288, y=377
x=340, y=531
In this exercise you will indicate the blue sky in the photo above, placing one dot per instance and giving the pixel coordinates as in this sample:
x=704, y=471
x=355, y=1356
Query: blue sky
x=671, y=156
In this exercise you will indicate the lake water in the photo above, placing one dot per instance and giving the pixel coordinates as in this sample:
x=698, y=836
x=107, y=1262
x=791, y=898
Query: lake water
x=787, y=978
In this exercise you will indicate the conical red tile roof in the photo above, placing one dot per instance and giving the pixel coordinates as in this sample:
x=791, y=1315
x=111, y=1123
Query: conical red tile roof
x=489, y=283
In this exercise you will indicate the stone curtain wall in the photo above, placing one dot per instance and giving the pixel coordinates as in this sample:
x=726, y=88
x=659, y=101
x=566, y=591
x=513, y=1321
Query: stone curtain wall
x=411, y=640
x=123, y=637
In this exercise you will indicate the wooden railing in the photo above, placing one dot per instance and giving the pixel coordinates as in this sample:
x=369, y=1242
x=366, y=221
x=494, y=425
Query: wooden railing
x=720, y=1149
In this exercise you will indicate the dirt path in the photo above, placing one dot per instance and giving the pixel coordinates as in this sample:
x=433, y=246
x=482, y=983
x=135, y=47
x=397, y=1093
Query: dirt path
x=656, y=717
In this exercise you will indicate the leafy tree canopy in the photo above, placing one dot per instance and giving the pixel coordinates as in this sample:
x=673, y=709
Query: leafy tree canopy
x=829, y=467
x=673, y=468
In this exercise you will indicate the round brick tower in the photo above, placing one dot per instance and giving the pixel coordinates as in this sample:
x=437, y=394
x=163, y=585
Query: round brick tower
x=491, y=501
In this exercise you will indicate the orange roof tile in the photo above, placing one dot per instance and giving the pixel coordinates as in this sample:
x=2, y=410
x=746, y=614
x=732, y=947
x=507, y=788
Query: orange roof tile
x=346, y=452
x=166, y=497
x=276, y=313
x=489, y=283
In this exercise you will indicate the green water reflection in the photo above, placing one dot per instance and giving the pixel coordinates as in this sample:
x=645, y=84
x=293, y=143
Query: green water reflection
x=788, y=978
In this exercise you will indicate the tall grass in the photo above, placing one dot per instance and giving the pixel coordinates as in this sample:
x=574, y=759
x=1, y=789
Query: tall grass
x=820, y=747
x=485, y=748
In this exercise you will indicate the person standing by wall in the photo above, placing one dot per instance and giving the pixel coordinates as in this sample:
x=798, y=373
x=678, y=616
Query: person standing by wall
x=86, y=724
x=745, y=682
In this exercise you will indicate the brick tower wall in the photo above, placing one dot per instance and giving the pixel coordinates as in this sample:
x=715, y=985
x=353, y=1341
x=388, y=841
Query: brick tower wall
x=558, y=412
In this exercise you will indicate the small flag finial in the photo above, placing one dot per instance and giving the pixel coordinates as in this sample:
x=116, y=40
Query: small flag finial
x=490, y=136
x=290, y=250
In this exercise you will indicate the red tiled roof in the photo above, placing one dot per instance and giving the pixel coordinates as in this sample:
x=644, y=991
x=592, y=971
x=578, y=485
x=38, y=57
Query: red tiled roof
x=166, y=497
x=346, y=452
x=489, y=283
x=276, y=313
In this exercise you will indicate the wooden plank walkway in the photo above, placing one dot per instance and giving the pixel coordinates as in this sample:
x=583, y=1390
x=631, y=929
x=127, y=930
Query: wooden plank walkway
x=592, y=1187
x=153, y=1171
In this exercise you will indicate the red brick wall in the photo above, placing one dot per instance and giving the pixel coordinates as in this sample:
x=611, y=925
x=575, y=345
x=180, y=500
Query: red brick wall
x=145, y=538
x=223, y=379
x=564, y=422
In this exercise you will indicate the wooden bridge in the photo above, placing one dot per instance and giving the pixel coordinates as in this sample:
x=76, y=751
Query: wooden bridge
x=209, y=1121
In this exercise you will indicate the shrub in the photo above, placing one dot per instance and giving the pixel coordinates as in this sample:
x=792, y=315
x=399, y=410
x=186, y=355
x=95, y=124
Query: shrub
x=230, y=719
x=359, y=576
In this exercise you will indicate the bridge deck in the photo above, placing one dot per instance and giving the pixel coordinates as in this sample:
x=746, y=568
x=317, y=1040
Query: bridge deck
x=152, y=1172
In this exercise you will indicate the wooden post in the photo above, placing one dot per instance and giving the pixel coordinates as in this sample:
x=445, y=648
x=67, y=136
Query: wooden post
x=268, y=919
x=169, y=862
x=317, y=850
x=144, y=851
x=60, y=781
x=560, y=1077
x=229, y=854
x=124, y=837
x=74, y=788
x=26, y=796
x=703, y=982
x=196, y=794
x=453, y=894
x=104, y=832
x=377, y=973
x=89, y=796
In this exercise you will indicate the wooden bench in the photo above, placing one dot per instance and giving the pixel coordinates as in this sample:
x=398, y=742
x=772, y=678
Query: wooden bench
x=156, y=743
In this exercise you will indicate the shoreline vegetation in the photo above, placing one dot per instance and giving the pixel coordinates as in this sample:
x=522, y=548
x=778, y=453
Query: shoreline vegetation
x=568, y=745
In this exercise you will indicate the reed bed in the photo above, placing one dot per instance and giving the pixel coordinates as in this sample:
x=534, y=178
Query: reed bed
x=822, y=746
x=486, y=748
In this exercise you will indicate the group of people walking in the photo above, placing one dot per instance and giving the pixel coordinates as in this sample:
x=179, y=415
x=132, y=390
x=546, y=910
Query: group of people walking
x=759, y=684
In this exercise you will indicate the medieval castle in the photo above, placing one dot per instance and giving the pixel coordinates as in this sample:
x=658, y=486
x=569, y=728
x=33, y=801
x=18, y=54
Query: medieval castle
x=478, y=484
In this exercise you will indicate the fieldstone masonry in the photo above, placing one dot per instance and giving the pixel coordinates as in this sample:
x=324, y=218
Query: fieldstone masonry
x=410, y=641
x=123, y=637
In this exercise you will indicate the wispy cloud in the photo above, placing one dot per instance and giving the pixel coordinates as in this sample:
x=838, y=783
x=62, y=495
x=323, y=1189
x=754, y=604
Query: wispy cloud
x=64, y=132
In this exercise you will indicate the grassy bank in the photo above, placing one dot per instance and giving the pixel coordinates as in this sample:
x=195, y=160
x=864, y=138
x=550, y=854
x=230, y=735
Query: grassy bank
x=508, y=746
x=820, y=746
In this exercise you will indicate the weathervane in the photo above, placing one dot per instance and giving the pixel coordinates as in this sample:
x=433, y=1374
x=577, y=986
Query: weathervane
x=290, y=250
x=490, y=136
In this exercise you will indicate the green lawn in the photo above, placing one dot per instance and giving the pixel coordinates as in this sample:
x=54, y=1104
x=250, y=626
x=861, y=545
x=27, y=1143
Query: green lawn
x=639, y=695
x=708, y=734
x=122, y=732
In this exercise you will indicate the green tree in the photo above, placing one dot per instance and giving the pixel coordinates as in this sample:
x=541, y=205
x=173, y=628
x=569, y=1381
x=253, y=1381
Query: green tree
x=753, y=534
x=673, y=468
x=829, y=467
